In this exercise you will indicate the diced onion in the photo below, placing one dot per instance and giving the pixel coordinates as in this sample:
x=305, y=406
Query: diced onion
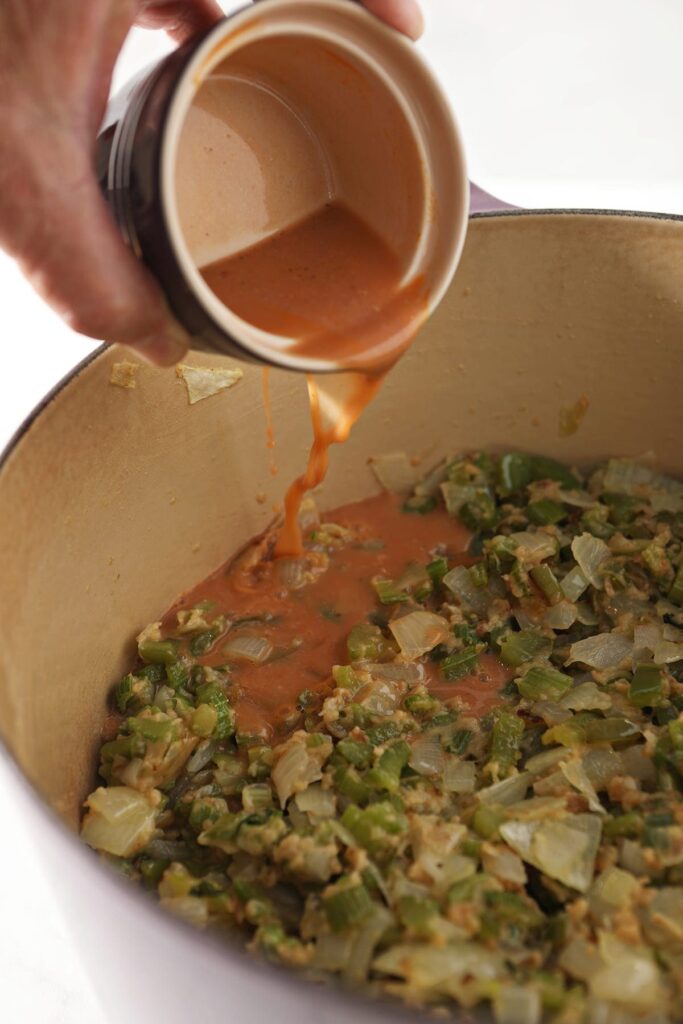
x=587, y=697
x=604, y=650
x=575, y=774
x=517, y=1004
x=201, y=757
x=249, y=648
x=419, y=632
x=395, y=472
x=531, y=548
x=509, y=791
x=119, y=821
x=292, y=572
x=316, y=801
x=459, y=582
x=426, y=755
x=561, y=616
x=573, y=584
x=564, y=850
x=458, y=776
x=590, y=552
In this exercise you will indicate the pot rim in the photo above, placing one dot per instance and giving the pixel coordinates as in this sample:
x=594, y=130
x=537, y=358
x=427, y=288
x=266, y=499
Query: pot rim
x=234, y=952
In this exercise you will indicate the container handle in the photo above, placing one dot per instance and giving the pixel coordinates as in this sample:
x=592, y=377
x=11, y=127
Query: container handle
x=484, y=202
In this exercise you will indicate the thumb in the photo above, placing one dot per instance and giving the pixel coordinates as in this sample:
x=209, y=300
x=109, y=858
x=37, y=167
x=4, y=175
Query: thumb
x=61, y=232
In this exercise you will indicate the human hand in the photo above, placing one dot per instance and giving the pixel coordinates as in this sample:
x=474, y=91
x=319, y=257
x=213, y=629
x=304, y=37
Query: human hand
x=56, y=63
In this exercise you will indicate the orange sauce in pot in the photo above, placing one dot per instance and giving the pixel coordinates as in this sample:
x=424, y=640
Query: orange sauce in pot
x=308, y=626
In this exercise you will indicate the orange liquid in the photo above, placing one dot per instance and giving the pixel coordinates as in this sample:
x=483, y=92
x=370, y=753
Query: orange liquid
x=335, y=286
x=323, y=612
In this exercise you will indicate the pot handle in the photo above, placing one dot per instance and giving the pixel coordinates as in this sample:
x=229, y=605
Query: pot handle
x=484, y=202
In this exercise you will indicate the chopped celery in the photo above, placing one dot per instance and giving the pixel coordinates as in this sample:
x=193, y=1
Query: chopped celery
x=647, y=686
x=211, y=694
x=518, y=648
x=544, y=683
x=546, y=581
x=388, y=593
x=506, y=739
x=347, y=903
x=159, y=652
x=437, y=569
x=545, y=512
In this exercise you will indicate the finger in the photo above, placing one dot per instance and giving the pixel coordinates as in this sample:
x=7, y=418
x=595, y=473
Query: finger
x=69, y=247
x=405, y=15
x=182, y=19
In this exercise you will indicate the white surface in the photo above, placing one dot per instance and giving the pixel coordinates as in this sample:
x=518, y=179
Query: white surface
x=561, y=105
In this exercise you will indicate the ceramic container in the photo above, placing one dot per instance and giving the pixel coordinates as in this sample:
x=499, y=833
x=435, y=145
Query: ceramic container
x=281, y=108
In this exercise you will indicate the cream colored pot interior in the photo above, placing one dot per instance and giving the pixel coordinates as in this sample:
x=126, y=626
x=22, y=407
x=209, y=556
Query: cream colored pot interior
x=114, y=501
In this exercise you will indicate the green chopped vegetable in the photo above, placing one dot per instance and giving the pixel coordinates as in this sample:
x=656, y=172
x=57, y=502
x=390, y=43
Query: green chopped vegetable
x=516, y=840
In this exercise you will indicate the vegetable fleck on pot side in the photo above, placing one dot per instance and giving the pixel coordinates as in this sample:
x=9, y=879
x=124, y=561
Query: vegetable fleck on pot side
x=478, y=797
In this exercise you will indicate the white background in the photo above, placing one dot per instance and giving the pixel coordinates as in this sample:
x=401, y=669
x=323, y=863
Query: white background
x=561, y=104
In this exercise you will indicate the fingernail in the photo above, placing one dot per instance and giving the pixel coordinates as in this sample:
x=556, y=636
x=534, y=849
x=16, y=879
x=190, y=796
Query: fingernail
x=163, y=349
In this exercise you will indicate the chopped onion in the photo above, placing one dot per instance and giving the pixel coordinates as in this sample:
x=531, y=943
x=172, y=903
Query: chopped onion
x=309, y=517
x=419, y=632
x=531, y=548
x=249, y=648
x=579, y=499
x=119, y=821
x=166, y=849
x=575, y=774
x=428, y=967
x=299, y=764
x=665, y=652
x=395, y=472
x=426, y=755
x=509, y=791
x=380, y=697
x=587, y=697
x=458, y=776
x=628, y=974
x=316, y=801
x=539, y=763
x=550, y=711
x=601, y=766
x=332, y=951
x=573, y=584
x=604, y=650
x=637, y=765
x=459, y=582
x=504, y=864
x=560, y=616
x=517, y=1004
x=624, y=476
x=611, y=891
x=564, y=850
x=580, y=959
x=193, y=910
x=590, y=552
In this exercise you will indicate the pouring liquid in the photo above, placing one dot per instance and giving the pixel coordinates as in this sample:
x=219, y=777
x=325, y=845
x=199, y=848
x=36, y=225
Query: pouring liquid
x=330, y=282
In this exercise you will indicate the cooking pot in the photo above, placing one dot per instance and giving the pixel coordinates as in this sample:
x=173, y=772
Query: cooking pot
x=113, y=501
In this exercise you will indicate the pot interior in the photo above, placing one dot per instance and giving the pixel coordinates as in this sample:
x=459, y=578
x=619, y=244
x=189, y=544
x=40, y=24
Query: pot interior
x=114, y=501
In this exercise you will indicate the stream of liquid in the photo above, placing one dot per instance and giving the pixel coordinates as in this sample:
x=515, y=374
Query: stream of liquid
x=330, y=282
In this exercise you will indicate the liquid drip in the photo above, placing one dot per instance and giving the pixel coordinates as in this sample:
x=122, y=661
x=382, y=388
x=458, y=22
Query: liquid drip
x=268, y=410
x=331, y=284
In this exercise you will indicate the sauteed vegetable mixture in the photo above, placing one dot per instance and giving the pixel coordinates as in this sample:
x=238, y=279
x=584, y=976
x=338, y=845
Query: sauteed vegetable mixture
x=442, y=758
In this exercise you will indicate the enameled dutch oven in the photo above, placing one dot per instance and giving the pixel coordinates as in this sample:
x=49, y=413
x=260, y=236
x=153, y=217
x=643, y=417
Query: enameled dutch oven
x=114, y=501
